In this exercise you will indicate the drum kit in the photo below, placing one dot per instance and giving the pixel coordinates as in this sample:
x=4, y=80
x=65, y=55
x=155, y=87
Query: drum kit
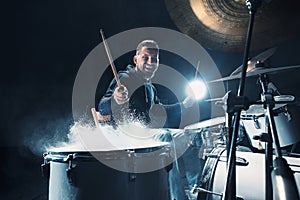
x=257, y=169
x=266, y=121
x=237, y=164
x=78, y=174
x=279, y=182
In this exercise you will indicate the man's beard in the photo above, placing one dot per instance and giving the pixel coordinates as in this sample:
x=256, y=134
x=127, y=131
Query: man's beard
x=149, y=75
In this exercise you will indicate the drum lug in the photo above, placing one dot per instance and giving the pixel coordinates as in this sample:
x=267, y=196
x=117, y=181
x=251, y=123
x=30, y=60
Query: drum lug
x=71, y=167
x=132, y=177
x=45, y=167
x=264, y=137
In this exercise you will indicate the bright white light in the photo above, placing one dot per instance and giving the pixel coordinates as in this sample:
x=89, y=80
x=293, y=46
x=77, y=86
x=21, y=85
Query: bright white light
x=197, y=89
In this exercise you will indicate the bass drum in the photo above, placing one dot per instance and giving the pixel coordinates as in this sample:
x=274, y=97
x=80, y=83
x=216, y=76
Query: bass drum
x=80, y=175
x=250, y=174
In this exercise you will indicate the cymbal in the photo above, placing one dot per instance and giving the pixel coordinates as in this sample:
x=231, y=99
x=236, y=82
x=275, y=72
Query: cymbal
x=205, y=124
x=256, y=71
x=223, y=25
x=262, y=57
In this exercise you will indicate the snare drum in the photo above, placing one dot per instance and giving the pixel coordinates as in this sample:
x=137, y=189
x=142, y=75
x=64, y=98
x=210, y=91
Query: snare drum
x=250, y=174
x=80, y=174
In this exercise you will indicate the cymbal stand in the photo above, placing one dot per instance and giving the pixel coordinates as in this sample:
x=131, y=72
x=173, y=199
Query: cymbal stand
x=230, y=186
x=279, y=174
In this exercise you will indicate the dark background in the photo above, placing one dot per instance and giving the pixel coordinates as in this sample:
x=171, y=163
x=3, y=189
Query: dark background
x=46, y=43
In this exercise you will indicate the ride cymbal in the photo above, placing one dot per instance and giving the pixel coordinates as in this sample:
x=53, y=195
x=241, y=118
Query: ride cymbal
x=256, y=71
x=251, y=63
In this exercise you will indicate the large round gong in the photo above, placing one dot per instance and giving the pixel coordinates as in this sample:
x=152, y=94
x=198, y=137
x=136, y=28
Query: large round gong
x=223, y=24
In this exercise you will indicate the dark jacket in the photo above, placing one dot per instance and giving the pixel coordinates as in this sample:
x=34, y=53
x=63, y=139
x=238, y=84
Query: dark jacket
x=142, y=96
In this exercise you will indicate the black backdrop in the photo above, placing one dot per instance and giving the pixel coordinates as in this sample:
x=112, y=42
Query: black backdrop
x=46, y=43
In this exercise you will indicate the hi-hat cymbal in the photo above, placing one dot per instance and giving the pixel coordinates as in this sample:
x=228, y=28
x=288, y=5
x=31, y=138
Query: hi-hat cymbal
x=256, y=71
x=223, y=24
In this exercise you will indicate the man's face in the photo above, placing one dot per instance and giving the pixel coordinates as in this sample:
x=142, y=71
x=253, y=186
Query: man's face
x=147, y=62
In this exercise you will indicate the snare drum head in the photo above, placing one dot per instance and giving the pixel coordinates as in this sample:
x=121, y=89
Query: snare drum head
x=133, y=160
x=205, y=124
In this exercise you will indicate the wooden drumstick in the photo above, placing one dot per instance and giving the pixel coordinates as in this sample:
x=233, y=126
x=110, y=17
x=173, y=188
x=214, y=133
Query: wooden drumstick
x=113, y=67
x=197, y=69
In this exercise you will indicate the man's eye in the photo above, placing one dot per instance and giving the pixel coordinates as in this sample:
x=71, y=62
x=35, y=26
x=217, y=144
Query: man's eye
x=153, y=59
x=145, y=58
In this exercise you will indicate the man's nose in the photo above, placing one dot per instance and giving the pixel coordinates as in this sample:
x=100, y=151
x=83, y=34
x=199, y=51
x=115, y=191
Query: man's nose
x=149, y=60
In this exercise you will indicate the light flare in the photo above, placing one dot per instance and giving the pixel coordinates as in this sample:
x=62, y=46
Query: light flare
x=197, y=89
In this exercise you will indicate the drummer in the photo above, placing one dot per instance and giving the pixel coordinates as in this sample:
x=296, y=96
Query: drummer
x=134, y=98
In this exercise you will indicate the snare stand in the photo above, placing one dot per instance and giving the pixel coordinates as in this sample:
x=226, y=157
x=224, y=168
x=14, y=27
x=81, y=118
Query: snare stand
x=230, y=184
x=279, y=174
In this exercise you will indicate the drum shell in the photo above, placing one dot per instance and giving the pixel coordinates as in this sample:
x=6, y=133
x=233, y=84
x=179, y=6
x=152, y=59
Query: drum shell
x=288, y=126
x=286, y=122
x=250, y=178
x=206, y=134
x=81, y=176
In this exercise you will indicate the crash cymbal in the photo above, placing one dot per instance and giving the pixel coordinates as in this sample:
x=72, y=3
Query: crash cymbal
x=223, y=24
x=256, y=71
x=262, y=57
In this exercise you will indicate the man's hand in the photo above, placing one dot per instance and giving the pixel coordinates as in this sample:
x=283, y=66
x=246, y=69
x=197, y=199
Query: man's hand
x=121, y=95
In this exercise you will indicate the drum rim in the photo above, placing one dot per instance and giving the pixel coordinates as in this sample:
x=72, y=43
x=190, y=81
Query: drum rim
x=66, y=156
x=217, y=120
x=212, y=169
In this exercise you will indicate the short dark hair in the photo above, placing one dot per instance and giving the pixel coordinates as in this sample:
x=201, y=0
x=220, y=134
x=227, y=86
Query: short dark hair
x=150, y=44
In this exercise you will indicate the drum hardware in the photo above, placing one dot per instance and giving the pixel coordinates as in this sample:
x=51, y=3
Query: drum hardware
x=256, y=123
x=254, y=118
x=263, y=137
x=45, y=168
x=196, y=190
x=70, y=175
x=287, y=114
x=282, y=176
x=233, y=106
x=239, y=160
